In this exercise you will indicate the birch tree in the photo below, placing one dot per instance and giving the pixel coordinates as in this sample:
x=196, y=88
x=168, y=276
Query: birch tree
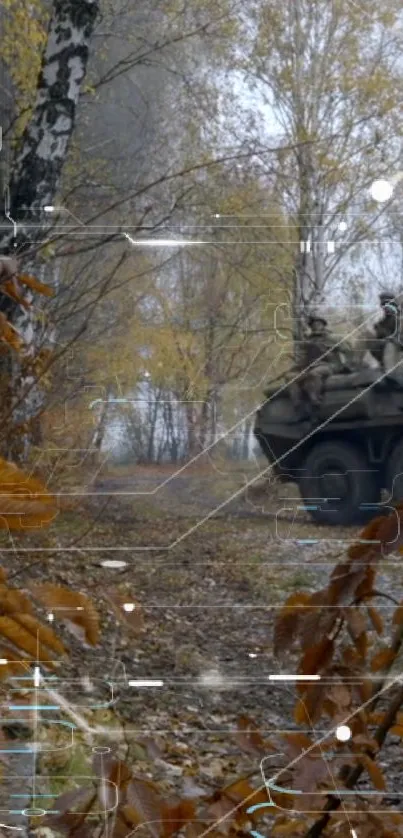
x=37, y=168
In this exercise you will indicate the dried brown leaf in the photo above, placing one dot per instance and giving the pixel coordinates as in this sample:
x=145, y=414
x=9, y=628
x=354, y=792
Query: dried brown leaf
x=317, y=657
x=373, y=770
x=286, y=625
x=42, y=634
x=398, y=616
x=15, y=633
x=143, y=798
x=376, y=619
x=35, y=285
x=382, y=659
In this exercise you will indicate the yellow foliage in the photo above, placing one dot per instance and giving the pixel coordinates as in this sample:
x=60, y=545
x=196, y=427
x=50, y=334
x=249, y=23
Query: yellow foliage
x=23, y=39
x=24, y=501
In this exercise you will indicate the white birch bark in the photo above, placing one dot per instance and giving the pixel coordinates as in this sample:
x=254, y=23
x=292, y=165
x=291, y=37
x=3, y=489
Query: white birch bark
x=36, y=173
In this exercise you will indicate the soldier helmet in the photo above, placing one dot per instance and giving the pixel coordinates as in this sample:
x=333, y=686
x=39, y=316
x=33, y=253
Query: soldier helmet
x=315, y=317
x=387, y=297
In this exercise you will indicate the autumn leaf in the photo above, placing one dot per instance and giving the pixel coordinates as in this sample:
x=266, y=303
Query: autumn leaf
x=296, y=743
x=396, y=730
x=376, y=620
x=35, y=285
x=317, y=657
x=398, y=616
x=23, y=639
x=373, y=770
x=24, y=501
x=145, y=804
x=286, y=625
x=249, y=737
x=309, y=707
x=382, y=659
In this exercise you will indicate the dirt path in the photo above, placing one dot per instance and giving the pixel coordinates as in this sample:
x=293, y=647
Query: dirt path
x=209, y=592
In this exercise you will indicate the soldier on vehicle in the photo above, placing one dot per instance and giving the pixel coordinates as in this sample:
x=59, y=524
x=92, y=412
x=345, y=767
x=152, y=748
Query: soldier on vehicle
x=320, y=357
x=384, y=342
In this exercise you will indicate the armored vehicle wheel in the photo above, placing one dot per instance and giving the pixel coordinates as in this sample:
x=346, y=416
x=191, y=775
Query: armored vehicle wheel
x=394, y=472
x=337, y=484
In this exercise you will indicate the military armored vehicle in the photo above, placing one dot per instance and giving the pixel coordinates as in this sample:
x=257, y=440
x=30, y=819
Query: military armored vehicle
x=347, y=462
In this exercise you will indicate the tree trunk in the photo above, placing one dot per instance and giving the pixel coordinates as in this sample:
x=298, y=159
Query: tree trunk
x=36, y=172
x=102, y=424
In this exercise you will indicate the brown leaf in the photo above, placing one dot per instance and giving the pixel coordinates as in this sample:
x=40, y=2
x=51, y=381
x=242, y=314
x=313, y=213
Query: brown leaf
x=21, y=638
x=356, y=621
x=292, y=827
x=365, y=689
x=318, y=620
x=396, y=730
x=374, y=771
x=249, y=737
x=24, y=501
x=119, y=774
x=35, y=285
x=286, y=625
x=174, y=818
x=309, y=707
x=382, y=659
x=41, y=633
x=9, y=288
x=143, y=797
x=398, y=616
x=13, y=601
x=317, y=657
x=376, y=619
x=361, y=740
x=72, y=606
x=366, y=586
x=8, y=334
x=296, y=743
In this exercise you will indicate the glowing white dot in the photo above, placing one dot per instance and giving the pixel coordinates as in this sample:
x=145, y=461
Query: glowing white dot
x=381, y=190
x=49, y=208
x=252, y=655
x=128, y=606
x=343, y=733
x=343, y=226
x=3, y=661
x=217, y=215
x=51, y=617
x=113, y=563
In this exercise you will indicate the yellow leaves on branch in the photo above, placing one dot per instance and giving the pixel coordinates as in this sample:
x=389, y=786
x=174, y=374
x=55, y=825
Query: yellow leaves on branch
x=8, y=334
x=23, y=637
x=35, y=285
x=24, y=33
x=24, y=501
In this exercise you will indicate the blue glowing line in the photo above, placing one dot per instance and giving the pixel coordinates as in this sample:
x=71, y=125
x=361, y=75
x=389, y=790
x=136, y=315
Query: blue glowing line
x=307, y=540
x=259, y=806
x=33, y=707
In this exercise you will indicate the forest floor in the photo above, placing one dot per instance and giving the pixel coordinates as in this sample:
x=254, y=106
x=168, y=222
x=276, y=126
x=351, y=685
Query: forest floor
x=208, y=575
